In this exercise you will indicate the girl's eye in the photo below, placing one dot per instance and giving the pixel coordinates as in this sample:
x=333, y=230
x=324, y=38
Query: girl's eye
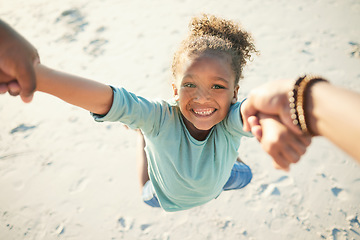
x=218, y=87
x=190, y=85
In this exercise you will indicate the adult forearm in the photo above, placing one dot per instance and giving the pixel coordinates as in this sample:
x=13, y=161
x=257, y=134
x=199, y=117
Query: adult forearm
x=334, y=113
x=90, y=95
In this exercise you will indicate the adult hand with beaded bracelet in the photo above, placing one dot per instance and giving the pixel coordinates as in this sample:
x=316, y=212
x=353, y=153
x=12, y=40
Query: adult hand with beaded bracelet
x=331, y=111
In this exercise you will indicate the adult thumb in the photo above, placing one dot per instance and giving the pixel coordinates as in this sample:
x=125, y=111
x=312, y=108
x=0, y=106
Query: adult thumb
x=27, y=80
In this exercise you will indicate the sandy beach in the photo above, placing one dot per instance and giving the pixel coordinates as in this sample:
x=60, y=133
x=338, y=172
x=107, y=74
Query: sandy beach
x=64, y=176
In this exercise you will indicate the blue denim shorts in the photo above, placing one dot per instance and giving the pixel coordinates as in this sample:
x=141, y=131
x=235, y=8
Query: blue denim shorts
x=240, y=177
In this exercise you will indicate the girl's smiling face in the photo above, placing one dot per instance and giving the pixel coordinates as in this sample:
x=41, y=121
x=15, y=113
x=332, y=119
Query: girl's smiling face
x=205, y=89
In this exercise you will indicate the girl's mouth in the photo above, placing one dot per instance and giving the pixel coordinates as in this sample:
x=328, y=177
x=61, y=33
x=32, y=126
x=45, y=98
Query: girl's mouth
x=204, y=112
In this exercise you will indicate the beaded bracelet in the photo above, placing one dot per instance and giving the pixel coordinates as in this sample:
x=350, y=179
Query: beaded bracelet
x=292, y=103
x=300, y=101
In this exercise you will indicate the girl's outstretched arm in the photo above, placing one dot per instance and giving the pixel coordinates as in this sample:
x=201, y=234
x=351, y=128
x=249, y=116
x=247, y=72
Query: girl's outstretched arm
x=90, y=95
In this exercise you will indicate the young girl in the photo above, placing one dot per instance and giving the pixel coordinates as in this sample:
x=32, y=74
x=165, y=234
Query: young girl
x=191, y=141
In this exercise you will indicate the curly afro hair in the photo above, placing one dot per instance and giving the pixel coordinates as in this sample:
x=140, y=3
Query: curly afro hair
x=211, y=34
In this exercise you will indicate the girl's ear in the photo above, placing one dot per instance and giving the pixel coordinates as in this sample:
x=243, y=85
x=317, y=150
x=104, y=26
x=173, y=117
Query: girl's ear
x=235, y=97
x=176, y=94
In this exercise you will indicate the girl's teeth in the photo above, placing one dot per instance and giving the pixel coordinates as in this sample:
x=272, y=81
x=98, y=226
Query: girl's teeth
x=207, y=112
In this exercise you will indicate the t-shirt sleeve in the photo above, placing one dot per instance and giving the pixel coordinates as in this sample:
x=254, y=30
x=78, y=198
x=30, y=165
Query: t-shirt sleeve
x=134, y=111
x=233, y=122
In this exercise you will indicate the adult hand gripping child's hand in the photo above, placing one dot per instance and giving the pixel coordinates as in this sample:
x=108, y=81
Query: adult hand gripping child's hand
x=17, y=60
x=282, y=144
x=270, y=98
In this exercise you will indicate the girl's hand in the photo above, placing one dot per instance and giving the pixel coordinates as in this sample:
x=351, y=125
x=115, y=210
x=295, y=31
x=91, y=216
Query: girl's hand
x=282, y=144
x=271, y=98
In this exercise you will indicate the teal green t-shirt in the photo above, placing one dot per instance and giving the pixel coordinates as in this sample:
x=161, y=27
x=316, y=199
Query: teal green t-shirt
x=185, y=172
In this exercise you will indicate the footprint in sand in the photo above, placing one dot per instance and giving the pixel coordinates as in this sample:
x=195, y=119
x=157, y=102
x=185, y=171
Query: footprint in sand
x=224, y=223
x=145, y=227
x=352, y=232
x=355, y=49
x=267, y=189
x=284, y=181
x=75, y=21
x=339, y=193
x=336, y=191
x=124, y=224
x=60, y=229
x=339, y=234
x=354, y=225
x=354, y=221
x=95, y=47
x=22, y=128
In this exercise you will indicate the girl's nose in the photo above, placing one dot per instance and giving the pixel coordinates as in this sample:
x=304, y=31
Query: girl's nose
x=202, y=95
